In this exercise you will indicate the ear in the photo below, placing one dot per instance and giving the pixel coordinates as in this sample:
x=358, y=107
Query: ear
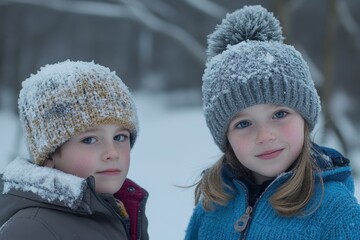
x=49, y=163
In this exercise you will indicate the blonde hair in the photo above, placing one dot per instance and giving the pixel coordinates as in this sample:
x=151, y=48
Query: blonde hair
x=289, y=200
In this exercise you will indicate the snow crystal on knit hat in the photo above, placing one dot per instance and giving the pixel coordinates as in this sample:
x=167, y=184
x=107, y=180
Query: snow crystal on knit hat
x=248, y=64
x=64, y=99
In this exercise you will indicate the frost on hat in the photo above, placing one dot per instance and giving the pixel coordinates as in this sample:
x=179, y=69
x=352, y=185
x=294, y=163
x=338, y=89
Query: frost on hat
x=249, y=64
x=64, y=99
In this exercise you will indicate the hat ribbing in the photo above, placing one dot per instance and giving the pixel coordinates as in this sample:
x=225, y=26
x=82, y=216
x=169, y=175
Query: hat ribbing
x=64, y=99
x=247, y=65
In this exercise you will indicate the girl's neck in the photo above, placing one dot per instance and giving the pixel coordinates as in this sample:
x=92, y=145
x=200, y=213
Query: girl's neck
x=260, y=179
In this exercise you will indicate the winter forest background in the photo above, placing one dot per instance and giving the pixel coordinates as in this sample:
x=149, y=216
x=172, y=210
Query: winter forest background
x=158, y=49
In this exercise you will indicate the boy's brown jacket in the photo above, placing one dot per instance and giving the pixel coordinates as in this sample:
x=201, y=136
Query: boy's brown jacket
x=43, y=203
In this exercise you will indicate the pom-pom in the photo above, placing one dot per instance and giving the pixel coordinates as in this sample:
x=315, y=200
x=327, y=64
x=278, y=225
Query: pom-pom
x=248, y=23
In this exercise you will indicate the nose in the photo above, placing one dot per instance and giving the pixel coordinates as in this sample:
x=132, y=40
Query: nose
x=264, y=134
x=110, y=151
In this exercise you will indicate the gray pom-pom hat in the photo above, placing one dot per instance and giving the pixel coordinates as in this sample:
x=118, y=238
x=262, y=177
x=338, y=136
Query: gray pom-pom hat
x=64, y=99
x=248, y=64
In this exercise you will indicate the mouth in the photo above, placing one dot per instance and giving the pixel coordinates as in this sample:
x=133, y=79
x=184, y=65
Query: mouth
x=270, y=154
x=110, y=171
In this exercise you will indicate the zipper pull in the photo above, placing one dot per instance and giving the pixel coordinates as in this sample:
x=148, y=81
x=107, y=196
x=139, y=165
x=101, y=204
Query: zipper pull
x=241, y=224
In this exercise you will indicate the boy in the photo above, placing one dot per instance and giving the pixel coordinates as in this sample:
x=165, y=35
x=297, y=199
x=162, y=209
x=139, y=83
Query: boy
x=80, y=123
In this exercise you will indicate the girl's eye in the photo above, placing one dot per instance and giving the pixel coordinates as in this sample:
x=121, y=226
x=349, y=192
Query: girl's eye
x=89, y=140
x=243, y=124
x=280, y=114
x=120, y=137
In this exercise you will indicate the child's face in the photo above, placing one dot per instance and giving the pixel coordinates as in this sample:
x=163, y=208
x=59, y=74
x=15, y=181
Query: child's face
x=102, y=152
x=266, y=139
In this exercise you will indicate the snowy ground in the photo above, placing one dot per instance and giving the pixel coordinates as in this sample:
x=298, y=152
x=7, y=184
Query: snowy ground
x=173, y=147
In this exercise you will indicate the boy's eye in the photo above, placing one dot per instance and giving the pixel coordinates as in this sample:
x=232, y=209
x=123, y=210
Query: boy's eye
x=243, y=124
x=89, y=140
x=120, y=137
x=280, y=114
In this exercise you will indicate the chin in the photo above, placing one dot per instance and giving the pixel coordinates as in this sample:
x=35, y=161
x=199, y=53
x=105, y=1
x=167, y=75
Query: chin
x=108, y=190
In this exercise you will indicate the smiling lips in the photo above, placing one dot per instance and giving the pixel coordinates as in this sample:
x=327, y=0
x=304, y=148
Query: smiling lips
x=271, y=154
x=110, y=171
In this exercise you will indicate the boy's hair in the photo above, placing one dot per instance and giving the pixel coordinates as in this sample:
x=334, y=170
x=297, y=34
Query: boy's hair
x=290, y=199
x=248, y=64
x=64, y=99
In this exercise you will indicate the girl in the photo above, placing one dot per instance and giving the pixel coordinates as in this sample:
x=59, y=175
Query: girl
x=80, y=123
x=260, y=105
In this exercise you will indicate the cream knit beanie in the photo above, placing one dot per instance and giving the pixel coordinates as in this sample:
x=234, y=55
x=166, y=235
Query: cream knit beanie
x=64, y=99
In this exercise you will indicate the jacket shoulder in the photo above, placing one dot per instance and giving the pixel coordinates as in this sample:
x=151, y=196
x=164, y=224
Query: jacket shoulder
x=328, y=157
x=195, y=223
x=342, y=217
x=22, y=225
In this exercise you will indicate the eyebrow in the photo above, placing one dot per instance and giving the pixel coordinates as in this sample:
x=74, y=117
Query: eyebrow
x=273, y=107
x=95, y=129
x=239, y=115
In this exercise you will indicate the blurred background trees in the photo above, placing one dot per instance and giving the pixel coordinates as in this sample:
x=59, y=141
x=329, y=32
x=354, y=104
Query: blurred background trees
x=159, y=46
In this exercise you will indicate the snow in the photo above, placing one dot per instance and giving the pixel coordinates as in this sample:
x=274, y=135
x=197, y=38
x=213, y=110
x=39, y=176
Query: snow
x=269, y=58
x=48, y=183
x=173, y=147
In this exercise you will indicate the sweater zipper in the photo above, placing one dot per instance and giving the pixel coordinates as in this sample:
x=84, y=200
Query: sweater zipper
x=247, y=217
x=242, y=224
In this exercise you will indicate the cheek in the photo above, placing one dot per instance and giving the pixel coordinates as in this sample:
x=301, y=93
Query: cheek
x=125, y=160
x=80, y=165
x=245, y=140
x=241, y=146
x=294, y=133
x=123, y=153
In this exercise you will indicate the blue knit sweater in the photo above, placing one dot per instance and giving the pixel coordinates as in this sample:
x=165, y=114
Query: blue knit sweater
x=337, y=217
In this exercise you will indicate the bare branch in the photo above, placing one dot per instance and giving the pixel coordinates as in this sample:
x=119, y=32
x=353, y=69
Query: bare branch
x=79, y=7
x=152, y=22
x=316, y=73
x=209, y=8
x=294, y=5
x=133, y=10
x=348, y=22
x=161, y=8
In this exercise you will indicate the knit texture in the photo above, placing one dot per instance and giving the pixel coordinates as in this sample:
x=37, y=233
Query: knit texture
x=64, y=99
x=247, y=65
x=337, y=216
